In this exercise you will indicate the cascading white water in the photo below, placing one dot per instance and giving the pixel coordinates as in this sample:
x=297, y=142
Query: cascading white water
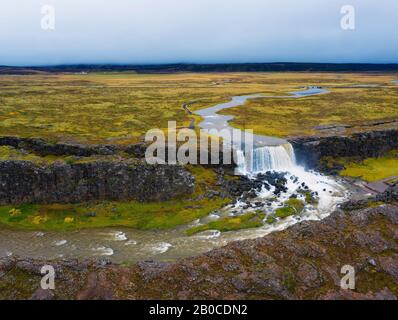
x=278, y=158
x=282, y=158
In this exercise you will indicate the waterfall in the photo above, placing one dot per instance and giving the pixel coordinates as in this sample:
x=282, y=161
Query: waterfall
x=278, y=158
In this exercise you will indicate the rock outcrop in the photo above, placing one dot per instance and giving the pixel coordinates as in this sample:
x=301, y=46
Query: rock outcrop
x=27, y=182
x=309, y=150
x=43, y=148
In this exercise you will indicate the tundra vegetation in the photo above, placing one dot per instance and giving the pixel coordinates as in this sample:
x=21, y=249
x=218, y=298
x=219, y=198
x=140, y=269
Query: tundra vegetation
x=119, y=108
x=122, y=107
x=371, y=169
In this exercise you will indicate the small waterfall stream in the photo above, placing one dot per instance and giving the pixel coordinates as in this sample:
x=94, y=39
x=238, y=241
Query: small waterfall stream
x=260, y=160
x=269, y=155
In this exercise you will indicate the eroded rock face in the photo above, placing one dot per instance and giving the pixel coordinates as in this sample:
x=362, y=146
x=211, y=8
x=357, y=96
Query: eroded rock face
x=27, y=182
x=309, y=150
x=302, y=262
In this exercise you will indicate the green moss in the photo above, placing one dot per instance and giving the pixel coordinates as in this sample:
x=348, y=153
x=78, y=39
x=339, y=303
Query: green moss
x=270, y=219
x=62, y=217
x=309, y=198
x=297, y=204
x=245, y=221
x=371, y=169
x=291, y=207
x=285, y=212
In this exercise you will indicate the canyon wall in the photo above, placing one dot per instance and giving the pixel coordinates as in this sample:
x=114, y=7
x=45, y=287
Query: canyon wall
x=27, y=182
x=310, y=150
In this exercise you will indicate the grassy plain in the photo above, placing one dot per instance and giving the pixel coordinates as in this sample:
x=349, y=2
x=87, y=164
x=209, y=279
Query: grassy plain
x=109, y=108
x=121, y=107
x=355, y=107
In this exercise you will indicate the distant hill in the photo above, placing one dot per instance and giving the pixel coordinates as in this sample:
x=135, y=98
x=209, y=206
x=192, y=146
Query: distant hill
x=235, y=67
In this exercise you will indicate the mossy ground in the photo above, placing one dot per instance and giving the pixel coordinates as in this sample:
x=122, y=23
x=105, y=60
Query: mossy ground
x=245, y=221
x=371, y=169
x=356, y=107
x=111, y=107
x=292, y=207
x=121, y=107
x=64, y=217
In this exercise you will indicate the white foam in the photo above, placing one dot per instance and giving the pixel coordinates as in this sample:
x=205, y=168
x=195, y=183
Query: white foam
x=161, y=247
x=282, y=158
x=120, y=236
x=60, y=243
x=209, y=234
x=130, y=242
x=103, y=251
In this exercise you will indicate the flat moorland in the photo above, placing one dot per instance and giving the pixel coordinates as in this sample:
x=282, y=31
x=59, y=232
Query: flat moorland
x=109, y=108
x=121, y=107
x=348, y=105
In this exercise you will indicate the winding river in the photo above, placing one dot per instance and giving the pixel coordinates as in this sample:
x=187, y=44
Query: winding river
x=212, y=120
x=128, y=245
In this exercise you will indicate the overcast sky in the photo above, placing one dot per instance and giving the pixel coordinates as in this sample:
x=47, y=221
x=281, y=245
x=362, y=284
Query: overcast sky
x=200, y=31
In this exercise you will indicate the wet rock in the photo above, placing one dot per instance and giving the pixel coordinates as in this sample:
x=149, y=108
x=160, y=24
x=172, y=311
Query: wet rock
x=390, y=195
x=103, y=262
x=372, y=262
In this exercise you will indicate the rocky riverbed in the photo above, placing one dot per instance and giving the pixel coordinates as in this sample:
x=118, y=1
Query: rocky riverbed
x=302, y=262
